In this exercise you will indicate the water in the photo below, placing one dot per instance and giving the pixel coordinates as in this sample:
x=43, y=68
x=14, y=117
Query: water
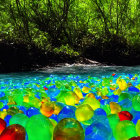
x=96, y=71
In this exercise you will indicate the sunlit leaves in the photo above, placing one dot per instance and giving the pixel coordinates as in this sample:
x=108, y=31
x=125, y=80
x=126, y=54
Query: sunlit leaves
x=61, y=22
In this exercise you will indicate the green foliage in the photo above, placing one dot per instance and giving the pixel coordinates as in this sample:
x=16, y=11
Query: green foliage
x=67, y=25
x=66, y=50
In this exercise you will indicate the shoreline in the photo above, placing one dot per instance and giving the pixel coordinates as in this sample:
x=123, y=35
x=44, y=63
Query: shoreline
x=80, y=63
x=21, y=58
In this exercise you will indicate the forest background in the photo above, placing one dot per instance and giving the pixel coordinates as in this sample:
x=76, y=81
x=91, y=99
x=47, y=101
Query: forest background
x=45, y=32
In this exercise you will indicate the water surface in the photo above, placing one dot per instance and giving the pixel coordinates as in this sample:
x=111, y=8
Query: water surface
x=96, y=71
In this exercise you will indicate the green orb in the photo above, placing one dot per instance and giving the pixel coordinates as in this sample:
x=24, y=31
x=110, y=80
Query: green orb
x=124, y=96
x=1, y=105
x=19, y=119
x=136, y=102
x=39, y=127
x=113, y=120
x=125, y=130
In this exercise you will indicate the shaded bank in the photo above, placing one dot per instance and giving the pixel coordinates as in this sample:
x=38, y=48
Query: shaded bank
x=115, y=50
x=35, y=33
x=21, y=57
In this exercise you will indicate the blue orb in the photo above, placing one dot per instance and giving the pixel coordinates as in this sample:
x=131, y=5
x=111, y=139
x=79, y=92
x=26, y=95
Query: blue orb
x=67, y=112
x=98, y=131
x=32, y=111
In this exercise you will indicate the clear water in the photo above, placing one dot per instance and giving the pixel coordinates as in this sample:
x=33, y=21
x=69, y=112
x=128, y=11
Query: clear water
x=96, y=71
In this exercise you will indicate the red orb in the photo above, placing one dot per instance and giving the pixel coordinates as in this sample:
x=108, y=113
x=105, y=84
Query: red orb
x=125, y=115
x=135, y=138
x=45, y=88
x=113, y=74
x=13, y=132
x=2, y=125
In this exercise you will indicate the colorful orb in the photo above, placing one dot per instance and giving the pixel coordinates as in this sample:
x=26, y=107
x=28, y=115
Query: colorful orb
x=2, y=125
x=138, y=127
x=124, y=96
x=68, y=129
x=32, y=111
x=98, y=131
x=125, y=130
x=125, y=115
x=67, y=112
x=86, y=89
x=113, y=120
x=78, y=92
x=135, y=138
x=136, y=102
x=84, y=112
x=19, y=119
x=12, y=111
x=94, y=103
x=47, y=109
x=13, y=132
x=122, y=84
x=115, y=108
x=39, y=127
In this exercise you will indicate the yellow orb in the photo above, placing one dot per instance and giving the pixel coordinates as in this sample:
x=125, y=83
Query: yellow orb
x=115, y=108
x=94, y=103
x=84, y=112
